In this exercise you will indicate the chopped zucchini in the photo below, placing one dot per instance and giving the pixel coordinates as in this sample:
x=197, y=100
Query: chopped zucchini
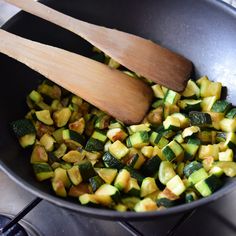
x=146, y=204
x=207, y=103
x=109, y=191
x=190, y=131
x=172, y=123
x=228, y=125
x=221, y=106
x=148, y=186
x=132, y=188
x=78, y=125
x=78, y=190
x=158, y=139
x=207, y=136
x=191, y=90
x=96, y=182
x=122, y=180
x=208, y=88
x=151, y=166
x=209, y=185
x=216, y=118
x=102, y=122
x=35, y=96
x=60, y=151
x=39, y=154
x=228, y=155
x=190, y=105
x=43, y=171
x=58, y=135
x=229, y=167
x=179, y=138
x=197, y=176
x=48, y=142
x=166, y=172
x=231, y=114
x=137, y=128
x=176, y=185
x=27, y=140
x=130, y=202
x=184, y=120
x=99, y=135
x=158, y=93
x=74, y=156
x=169, y=110
x=171, y=97
x=208, y=150
x=73, y=136
x=190, y=150
x=61, y=117
x=22, y=127
x=200, y=119
x=172, y=150
x=135, y=174
x=158, y=103
x=191, y=168
x=88, y=199
x=136, y=159
x=86, y=170
x=147, y=151
x=111, y=162
x=118, y=149
x=94, y=145
x=74, y=175
x=230, y=141
x=44, y=116
x=116, y=134
x=138, y=139
x=190, y=196
x=107, y=174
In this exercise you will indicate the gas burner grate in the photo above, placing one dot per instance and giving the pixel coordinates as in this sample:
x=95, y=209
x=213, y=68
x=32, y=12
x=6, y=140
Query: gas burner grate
x=16, y=229
x=9, y=225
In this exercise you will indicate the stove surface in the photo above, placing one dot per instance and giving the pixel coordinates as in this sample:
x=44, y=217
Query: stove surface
x=216, y=219
x=46, y=219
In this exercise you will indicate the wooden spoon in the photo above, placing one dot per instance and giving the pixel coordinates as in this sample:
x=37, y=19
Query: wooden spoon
x=139, y=55
x=114, y=92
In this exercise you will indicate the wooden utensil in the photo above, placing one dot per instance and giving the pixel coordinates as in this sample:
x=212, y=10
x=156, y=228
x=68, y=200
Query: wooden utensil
x=114, y=92
x=139, y=55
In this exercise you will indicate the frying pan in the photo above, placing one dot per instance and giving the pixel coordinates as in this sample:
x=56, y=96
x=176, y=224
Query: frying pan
x=203, y=31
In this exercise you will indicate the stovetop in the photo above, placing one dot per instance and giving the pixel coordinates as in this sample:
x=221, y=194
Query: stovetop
x=46, y=219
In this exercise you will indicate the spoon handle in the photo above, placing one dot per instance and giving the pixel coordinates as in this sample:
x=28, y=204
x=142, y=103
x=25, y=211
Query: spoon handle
x=121, y=96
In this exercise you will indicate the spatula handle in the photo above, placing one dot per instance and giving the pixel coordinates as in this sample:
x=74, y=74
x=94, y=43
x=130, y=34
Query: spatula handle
x=121, y=96
x=35, y=8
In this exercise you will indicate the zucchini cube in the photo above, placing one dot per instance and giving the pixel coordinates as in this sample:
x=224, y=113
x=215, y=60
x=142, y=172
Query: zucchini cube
x=209, y=185
x=172, y=150
x=118, y=149
x=176, y=185
x=228, y=155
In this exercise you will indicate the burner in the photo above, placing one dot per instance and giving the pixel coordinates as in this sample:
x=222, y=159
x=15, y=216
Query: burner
x=17, y=229
x=20, y=229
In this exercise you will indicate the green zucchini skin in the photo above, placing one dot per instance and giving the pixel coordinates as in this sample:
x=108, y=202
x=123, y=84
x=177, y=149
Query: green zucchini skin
x=200, y=119
x=111, y=162
x=94, y=145
x=22, y=127
x=151, y=166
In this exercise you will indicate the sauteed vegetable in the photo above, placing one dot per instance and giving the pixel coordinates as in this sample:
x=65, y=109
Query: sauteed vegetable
x=178, y=154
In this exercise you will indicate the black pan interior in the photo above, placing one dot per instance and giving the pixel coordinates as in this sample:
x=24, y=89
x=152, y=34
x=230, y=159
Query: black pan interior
x=203, y=31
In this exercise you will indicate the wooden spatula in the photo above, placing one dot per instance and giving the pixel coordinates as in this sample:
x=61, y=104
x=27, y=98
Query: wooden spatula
x=114, y=92
x=139, y=55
